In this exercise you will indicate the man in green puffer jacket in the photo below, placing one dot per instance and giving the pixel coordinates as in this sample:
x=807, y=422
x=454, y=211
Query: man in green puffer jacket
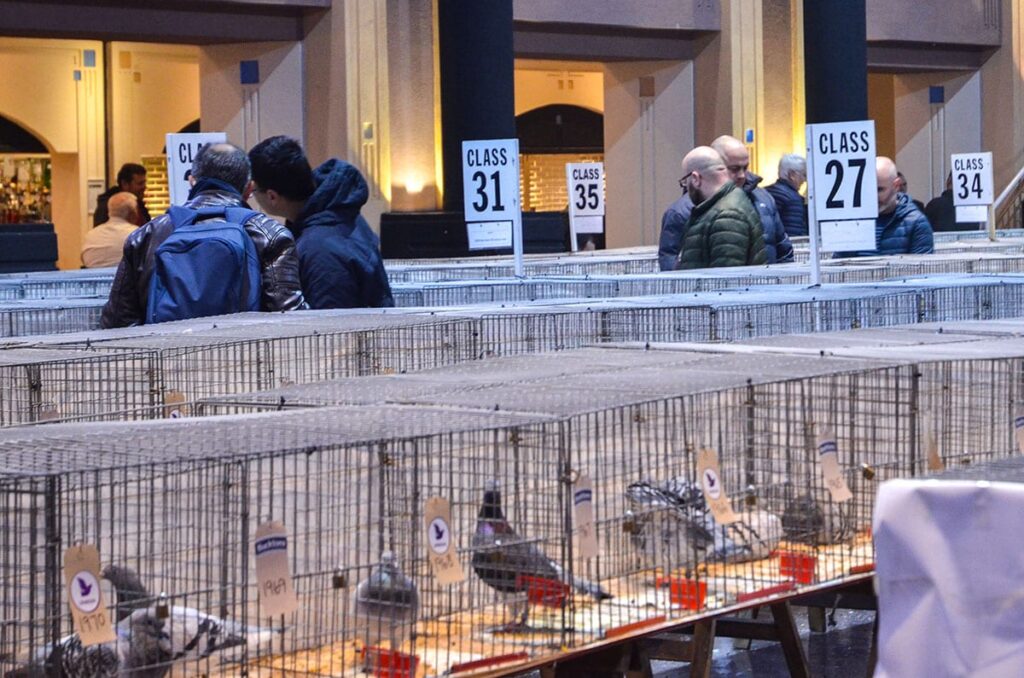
x=724, y=228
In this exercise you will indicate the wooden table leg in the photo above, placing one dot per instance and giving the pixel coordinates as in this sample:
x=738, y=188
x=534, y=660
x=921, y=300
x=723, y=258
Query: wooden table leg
x=789, y=639
x=703, y=648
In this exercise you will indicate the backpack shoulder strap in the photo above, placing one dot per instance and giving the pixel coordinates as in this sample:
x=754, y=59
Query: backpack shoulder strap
x=186, y=216
x=239, y=215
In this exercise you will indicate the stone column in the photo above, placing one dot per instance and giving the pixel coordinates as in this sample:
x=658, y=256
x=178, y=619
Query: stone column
x=836, y=60
x=477, y=81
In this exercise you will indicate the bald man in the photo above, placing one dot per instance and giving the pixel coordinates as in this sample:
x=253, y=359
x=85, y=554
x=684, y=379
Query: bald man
x=900, y=228
x=724, y=228
x=778, y=248
x=104, y=244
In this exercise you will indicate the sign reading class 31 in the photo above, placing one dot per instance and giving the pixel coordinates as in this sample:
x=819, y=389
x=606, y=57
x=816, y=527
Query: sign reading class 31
x=490, y=182
x=842, y=184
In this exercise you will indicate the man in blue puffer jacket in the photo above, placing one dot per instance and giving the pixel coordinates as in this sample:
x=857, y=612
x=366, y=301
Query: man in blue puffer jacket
x=340, y=264
x=778, y=249
x=900, y=228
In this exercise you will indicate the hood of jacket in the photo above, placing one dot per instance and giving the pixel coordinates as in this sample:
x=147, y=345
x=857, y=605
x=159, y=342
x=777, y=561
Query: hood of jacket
x=752, y=181
x=340, y=193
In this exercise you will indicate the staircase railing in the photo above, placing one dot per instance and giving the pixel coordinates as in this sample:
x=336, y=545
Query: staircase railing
x=1009, y=206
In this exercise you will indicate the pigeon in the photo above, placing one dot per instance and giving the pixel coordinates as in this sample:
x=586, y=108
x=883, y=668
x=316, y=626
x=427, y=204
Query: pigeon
x=672, y=526
x=141, y=649
x=500, y=556
x=817, y=521
x=386, y=604
x=129, y=592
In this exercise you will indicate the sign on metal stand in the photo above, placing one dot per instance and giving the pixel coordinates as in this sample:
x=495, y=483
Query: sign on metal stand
x=973, y=189
x=490, y=181
x=586, y=199
x=842, y=189
x=181, y=151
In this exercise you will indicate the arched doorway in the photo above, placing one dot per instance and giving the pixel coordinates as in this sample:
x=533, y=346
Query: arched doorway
x=24, y=175
x=550, y=137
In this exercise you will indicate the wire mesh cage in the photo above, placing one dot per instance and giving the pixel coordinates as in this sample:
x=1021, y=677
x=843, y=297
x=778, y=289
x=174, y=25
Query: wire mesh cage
x=33, y=317
x=48, y=385
x=179, y=506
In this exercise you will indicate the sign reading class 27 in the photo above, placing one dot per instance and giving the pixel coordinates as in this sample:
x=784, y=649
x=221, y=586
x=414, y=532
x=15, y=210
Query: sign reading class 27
x=843, y=184
x=972, y=179
x=490, y=181
x=181, y=151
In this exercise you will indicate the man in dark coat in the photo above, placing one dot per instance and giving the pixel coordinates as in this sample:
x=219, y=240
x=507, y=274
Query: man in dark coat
x=941, y=212
x=220, y=176
x=778, y=248
x=339, y=257
x=900, y=228
x=131, y=178
x=724, y=228
x=786, y=191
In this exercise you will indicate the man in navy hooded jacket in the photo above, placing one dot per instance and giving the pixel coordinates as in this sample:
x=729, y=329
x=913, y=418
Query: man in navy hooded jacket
x=340, y=264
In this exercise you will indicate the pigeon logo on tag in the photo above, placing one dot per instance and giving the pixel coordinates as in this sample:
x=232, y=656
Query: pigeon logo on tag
x=827, y=446
x=712, y=486
x=1018, y=422
x=583, y=496
x=85, y=591
x=440, y=537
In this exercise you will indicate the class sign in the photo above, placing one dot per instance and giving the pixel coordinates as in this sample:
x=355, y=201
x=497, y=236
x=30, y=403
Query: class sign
x=972, y=179
x=490, y=182
x=842, y=183
x=181, y=151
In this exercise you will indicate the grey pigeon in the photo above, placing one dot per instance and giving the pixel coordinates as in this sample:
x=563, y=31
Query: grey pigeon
x=673, y=527
x=817, y=520
x=141, y=650
x=386, y=604
x=500, y=556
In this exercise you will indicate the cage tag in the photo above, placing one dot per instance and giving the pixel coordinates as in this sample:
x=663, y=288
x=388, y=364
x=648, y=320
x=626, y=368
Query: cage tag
x=175, y=405
x=714, y=491
x=437, y=516
x=277, y=594
x=583, y=505
x=82, y=579
x=1018, y=428
x=931, y=447
x=48, y=412
x=828, y=456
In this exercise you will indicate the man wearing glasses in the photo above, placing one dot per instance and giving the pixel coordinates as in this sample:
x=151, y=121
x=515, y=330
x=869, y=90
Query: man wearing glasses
x=724, y=229
x=778, y=248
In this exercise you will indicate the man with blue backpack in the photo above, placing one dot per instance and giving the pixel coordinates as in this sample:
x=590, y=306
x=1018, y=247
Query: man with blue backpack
x=211, y=256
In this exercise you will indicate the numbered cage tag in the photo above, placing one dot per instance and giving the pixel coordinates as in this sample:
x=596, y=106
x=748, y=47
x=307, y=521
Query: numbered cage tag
x=444, y=561
x=713, y=487
x=831, y=473
x=82, y=580
x=277, y=593
x=583, y=507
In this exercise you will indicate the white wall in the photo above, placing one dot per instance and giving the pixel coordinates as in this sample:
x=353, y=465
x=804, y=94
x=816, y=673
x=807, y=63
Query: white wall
x=645, y=140
x=154, y=90
x=927, y=134
x=38, y=90
x=251, y=113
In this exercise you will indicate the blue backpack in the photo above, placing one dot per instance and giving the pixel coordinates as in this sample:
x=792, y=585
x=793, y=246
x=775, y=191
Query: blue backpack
x=207, y=266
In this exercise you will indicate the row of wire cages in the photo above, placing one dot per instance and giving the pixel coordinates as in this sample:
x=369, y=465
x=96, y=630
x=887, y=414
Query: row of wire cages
x=634, y=437
x=639, y=435
x=185, y=366
x=49, y=316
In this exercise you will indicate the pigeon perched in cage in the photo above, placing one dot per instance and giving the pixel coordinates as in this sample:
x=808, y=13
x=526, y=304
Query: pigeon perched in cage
x=817, y=520
x=502, y=558
x=142, y=649
x=129, y=592
x=672, y=526
x=386, y=604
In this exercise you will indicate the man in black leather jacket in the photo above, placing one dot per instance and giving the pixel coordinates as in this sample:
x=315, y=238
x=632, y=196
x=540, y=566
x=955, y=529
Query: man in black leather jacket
x=220, y=175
